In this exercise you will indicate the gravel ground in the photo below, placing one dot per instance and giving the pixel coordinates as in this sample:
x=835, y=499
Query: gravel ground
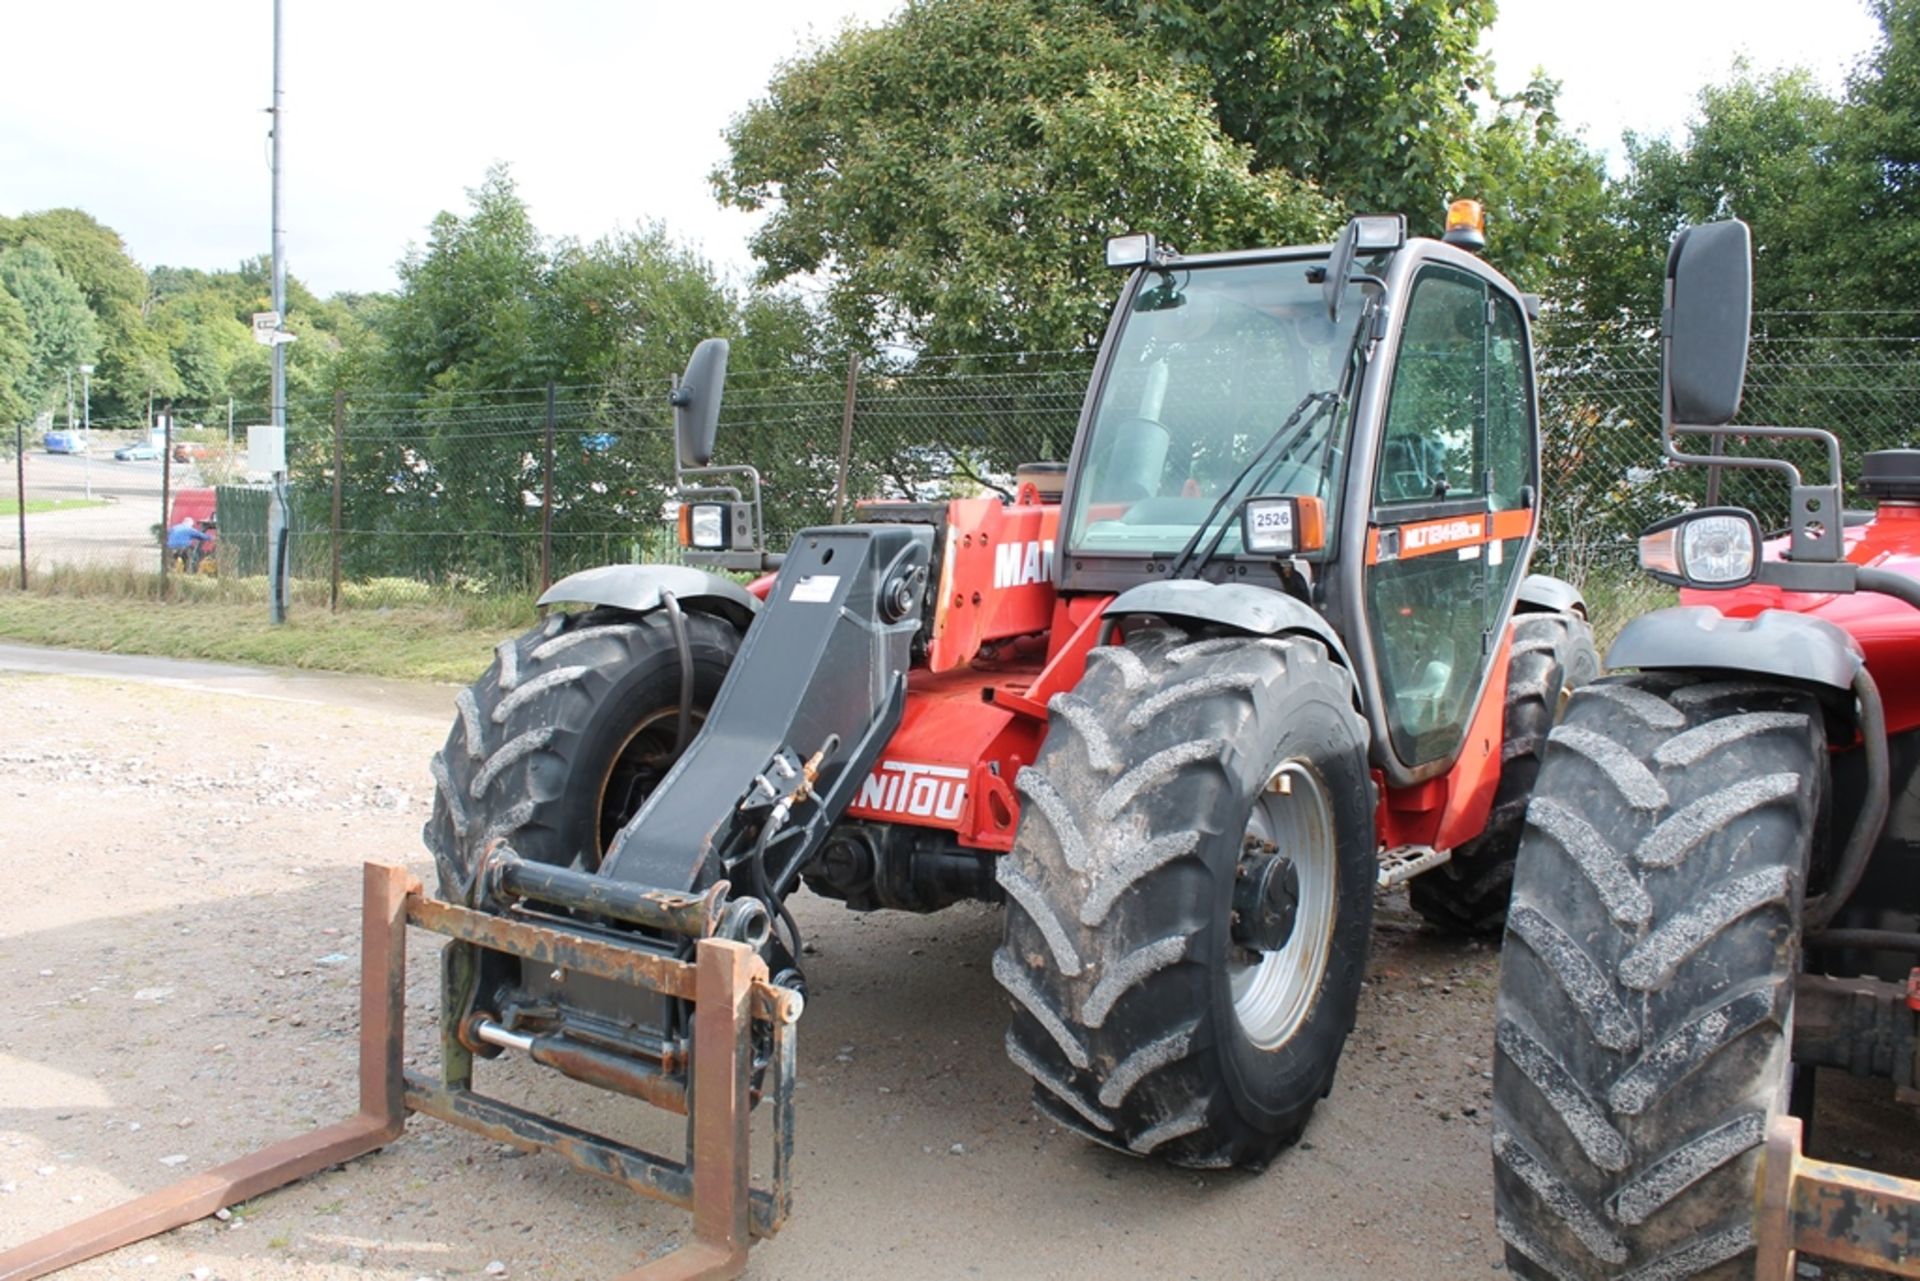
x=177, y=988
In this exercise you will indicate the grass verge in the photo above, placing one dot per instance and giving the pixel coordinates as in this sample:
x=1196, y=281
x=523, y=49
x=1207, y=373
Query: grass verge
x=121, y=613
x=11, y=506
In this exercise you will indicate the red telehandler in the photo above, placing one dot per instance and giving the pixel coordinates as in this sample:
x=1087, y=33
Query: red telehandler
x=1715, y=893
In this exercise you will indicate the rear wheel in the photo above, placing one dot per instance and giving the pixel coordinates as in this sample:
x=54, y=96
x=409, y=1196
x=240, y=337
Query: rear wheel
x=1190, y=891
x=1552, y=655
x=565, y=736
x=1646, y=986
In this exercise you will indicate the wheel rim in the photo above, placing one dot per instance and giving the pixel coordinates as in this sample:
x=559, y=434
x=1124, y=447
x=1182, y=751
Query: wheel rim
x=637, y=768
x=1273, y=992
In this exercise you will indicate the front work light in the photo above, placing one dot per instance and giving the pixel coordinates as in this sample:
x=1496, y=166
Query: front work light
x=1136, y=250
x=1282, y=525
x=1716, y=547
x=1379, y=233
x=704, y=525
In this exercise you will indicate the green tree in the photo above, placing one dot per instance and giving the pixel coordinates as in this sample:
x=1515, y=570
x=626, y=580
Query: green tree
x=133, y=362
x=1879, y=143
x=16, y=364
x=469, y=311
x=62, y=331
x=1760, y=148
x=1375, y=102
x=629, y=307
x=954, y=173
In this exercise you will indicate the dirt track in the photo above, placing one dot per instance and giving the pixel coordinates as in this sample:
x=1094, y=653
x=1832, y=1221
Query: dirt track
x=176, y=982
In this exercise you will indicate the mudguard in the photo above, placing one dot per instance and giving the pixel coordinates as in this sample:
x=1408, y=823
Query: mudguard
x=639, y=587
x=1775, y=643
x=1257, y=611
x=1543, y=593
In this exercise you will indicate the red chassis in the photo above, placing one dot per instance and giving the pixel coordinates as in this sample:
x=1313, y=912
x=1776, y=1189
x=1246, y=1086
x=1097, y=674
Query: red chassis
x=1004, y=642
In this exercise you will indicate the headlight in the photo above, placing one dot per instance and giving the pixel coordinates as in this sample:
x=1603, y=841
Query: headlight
x=704, y=526
x=709, y=525
x=1719, y=547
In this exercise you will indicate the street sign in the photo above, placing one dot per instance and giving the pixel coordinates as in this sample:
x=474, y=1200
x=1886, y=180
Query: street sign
x=266, y=327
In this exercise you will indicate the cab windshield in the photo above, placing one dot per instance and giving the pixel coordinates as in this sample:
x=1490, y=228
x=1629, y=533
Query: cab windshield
x=1211, y=363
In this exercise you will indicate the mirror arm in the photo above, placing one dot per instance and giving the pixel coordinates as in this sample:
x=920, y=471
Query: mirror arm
x=1837, y=577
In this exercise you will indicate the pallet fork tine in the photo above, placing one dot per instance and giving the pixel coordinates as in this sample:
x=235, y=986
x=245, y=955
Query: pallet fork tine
x=728, y=984
x=1836, y=1212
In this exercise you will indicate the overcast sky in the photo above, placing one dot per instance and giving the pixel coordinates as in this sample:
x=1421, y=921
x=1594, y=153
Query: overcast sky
x=149, y=115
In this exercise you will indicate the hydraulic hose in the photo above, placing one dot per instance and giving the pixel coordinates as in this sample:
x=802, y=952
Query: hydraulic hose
x=684, y=647
x=1873, y=814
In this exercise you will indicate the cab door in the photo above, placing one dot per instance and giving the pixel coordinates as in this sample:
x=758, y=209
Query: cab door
x=1451, y=517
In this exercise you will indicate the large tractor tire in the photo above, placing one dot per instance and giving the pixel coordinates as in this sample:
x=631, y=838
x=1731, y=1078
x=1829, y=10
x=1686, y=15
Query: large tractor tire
x=1646, y=986
x=1169, y=777
x=1552, y=655
x=569, y=730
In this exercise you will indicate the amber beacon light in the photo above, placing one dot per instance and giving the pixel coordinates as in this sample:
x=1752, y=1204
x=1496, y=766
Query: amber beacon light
x=1466, y=225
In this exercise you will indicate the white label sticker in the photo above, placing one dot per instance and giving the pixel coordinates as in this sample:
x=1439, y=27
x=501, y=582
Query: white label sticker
x=1270, y=527
x=815, y=587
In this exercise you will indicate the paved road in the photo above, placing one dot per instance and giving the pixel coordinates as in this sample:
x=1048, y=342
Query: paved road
x=318, y=689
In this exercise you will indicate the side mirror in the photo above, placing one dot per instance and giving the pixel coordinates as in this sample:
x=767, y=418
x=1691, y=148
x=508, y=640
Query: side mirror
x=1374, y=233
x=1339, y=267
x=696, y=402
x=1709, y=309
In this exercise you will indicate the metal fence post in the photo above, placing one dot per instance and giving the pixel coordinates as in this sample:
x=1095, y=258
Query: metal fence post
x=339, y=472
x=166, y=498
x=846, y=438
x=546, y=497
x=20, y=489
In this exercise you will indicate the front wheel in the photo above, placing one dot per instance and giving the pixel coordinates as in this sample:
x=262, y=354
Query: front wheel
x=1646, y=985
x=1190, y=894
x=564, y=737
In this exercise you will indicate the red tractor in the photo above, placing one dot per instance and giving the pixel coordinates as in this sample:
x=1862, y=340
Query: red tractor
x=1714, y=895
x=1273, y=647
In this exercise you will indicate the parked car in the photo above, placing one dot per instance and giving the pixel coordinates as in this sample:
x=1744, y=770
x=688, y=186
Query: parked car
x=140, y=452
x=187, y=451
x=64, y=442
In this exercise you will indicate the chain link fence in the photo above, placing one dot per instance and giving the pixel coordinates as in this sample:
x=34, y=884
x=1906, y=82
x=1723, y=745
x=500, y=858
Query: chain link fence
x=400, y=499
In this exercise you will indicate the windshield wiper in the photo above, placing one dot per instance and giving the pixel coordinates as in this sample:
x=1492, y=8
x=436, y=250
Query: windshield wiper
x=1284, y=437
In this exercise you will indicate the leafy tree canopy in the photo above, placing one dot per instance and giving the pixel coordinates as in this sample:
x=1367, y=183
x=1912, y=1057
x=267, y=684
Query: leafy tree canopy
x=1373, y=101
x=16, y=364
x=954, y=173
x=62, y=332
x=490, y=304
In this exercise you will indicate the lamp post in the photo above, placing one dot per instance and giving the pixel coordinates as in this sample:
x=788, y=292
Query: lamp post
x=86, y=424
